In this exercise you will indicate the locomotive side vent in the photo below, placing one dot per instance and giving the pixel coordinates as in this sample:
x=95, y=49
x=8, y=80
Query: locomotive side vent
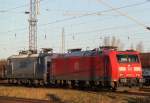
x=47, y=50
x=109, y=47
x=130, y=50
x=74, y=50
x=23, y=52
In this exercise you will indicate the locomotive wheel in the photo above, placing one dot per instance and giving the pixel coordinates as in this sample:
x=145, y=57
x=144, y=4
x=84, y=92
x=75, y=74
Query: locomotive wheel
x=65, y=83
x=29, y=83
x=81, y=84
x=141, y=85
x=8, y=81
x=114, y=86
x=73, y=84
x=92, y=85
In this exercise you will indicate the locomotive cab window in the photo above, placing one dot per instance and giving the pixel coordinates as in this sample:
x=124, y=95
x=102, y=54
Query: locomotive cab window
x=8, y=62
x=127, y=58
x=48, y=64
x=39, y=60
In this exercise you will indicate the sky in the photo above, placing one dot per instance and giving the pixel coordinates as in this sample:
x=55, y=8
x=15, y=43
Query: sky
x=86, y=24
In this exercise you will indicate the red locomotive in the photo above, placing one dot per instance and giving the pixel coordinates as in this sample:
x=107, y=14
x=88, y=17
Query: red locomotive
x=101, y=67
x=145, y=61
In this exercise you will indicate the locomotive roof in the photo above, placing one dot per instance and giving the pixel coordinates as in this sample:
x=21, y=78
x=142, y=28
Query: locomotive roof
x=146, y=54
x=26, y=55
x=53, y=55
x=130, y=52
x=78, y=52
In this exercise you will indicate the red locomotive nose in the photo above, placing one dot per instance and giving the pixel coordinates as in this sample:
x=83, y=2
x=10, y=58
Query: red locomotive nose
x=130, y=72
x=129, y=67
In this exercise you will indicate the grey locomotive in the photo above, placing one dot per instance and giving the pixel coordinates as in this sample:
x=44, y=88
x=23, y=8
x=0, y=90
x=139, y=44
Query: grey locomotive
x=28, y=68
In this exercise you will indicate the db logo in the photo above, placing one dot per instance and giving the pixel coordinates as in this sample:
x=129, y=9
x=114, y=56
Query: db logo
x=76, y=66
x=129, y=68
x=129, y=65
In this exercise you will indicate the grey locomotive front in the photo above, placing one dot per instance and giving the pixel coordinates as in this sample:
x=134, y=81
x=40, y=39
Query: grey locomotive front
x=27, y=67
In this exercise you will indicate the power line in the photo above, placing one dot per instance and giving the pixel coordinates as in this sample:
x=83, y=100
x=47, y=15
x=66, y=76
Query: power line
x=122, y=7
x=11, y=9
x=124, y=14
x=74, y=34
x=108, y=28
x=14, y=8
x=108, y=10
x=98, y=12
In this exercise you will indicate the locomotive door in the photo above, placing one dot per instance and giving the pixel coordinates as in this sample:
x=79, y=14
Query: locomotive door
x=47, y=69
x=9, y=69
x=106, y=68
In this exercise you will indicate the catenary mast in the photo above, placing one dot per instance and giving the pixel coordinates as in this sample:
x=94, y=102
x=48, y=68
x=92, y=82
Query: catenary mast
x=34, y=11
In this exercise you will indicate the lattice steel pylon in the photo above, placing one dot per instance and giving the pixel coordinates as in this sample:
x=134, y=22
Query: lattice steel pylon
x=34, y=11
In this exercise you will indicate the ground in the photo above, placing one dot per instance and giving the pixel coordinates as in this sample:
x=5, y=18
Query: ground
x=60, y=95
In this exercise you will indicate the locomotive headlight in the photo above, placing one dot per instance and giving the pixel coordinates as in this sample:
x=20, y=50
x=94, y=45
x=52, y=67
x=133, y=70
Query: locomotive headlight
x=137, y=69
x=122, y=68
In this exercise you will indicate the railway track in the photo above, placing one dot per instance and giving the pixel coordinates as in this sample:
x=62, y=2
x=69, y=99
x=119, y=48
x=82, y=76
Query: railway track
x=121, y=91
x=133, y=93
x=129, y=91
x=145, y=91
x=21, y=100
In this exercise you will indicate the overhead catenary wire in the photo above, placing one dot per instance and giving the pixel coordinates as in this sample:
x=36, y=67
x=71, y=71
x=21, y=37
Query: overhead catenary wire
x=14, y=8
x=103, y=29
x=11, y=9
x=74, y=34
x=97, y=12
x=124, y=14
x=79, y=17
x=60, y=21
x=89, y=14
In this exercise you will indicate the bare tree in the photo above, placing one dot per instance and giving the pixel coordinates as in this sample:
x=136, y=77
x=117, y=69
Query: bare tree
x=132, y=46
x=139, y=46
x=106, y=41
x=113, y=41
x=119, y=44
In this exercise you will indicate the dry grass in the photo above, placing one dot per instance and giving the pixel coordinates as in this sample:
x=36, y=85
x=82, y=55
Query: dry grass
x=65, y=95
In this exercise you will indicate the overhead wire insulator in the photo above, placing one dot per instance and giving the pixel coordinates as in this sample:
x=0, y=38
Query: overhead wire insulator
x=27, y=12
x=45, y=36
x=148, y=28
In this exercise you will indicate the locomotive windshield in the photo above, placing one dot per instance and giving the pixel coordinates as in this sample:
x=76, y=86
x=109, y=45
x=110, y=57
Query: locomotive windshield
x=125, y=58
